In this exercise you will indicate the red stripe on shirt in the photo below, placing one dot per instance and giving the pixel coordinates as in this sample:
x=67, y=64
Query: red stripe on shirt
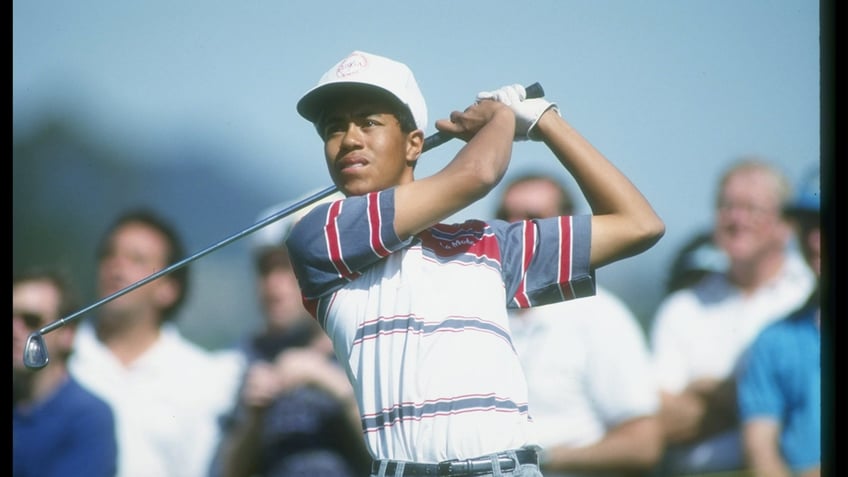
x=528, y=243
x=375, y=223
x=334, y=241
x=565, y=257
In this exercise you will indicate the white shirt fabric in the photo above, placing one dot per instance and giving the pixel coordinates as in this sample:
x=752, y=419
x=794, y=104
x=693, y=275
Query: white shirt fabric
x=587, y=366
x=703, y=331
x=166, y=404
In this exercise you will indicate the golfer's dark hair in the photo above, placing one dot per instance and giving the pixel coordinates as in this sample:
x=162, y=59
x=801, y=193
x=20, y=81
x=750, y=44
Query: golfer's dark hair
x=175, y=253
x=404, y=117
x=60, y=279
x=400, y=111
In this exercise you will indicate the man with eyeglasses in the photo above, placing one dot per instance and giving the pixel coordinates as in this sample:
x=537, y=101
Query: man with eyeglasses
x=59, y=428
x=700, y=333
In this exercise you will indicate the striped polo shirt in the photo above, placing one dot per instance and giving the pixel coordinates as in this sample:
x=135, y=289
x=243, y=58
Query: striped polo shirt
x=421, y=325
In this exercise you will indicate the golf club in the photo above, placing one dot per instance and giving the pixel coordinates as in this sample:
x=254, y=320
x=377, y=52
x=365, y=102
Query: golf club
x=35, y=350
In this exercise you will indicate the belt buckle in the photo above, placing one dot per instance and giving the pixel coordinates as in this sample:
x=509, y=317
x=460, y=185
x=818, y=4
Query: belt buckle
x=475, y=466
x=453, y=467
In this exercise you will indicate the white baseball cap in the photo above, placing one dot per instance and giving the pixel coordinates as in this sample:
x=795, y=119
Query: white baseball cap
x=366, y=69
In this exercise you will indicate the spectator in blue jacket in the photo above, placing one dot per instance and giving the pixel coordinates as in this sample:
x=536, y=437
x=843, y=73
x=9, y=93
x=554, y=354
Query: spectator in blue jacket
x=59, y=428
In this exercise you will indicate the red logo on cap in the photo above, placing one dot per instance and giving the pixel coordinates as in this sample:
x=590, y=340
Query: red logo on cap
x=351, y=65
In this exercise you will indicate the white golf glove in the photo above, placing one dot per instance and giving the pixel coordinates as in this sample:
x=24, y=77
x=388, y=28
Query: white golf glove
x=527, y=111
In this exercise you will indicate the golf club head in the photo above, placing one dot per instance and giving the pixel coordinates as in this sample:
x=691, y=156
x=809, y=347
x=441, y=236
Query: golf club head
x=35, y=351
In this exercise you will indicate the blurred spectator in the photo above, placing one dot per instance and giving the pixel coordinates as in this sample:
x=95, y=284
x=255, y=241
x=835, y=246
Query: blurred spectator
x=780, y=385
x=591, y=391
x=697, y=258
x=296, y=414
x=699, y=333
x=167, y=392
x=59, y=428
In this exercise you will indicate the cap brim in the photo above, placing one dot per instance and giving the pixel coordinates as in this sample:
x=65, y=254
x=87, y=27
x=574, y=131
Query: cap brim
x=315, y=100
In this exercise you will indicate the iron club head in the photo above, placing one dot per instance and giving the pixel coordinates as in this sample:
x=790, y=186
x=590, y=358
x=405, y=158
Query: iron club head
x=35, y=351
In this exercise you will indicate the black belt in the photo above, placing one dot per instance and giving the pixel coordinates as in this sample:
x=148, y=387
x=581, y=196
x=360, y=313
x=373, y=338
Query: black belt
x=475, y=466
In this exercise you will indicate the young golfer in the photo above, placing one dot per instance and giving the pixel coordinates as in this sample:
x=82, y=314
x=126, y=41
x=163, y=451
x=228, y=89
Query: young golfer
x=416, y=308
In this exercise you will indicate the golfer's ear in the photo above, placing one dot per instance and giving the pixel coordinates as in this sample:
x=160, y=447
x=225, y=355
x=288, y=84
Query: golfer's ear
x=414, y=145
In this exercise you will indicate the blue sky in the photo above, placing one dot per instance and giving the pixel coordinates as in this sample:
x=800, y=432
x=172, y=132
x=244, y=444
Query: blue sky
x=669, y=90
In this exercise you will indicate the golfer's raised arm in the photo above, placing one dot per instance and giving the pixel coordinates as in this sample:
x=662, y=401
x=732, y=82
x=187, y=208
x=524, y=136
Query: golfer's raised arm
x=478, y=167
x=623, y=222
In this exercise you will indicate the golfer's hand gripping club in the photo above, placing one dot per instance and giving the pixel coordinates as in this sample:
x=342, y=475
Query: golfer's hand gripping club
x=35, y=350
x=534, y=90
x=528, y=108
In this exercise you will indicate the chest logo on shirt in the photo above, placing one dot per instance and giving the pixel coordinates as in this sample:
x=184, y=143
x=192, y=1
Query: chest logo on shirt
x=463, y=242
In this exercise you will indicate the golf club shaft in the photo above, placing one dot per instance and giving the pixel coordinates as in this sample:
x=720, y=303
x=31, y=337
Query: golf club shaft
x=258, y=225
x=533, y=91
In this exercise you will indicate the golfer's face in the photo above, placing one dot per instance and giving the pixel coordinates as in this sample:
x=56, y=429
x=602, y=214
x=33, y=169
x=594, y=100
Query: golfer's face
x=364, y=146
